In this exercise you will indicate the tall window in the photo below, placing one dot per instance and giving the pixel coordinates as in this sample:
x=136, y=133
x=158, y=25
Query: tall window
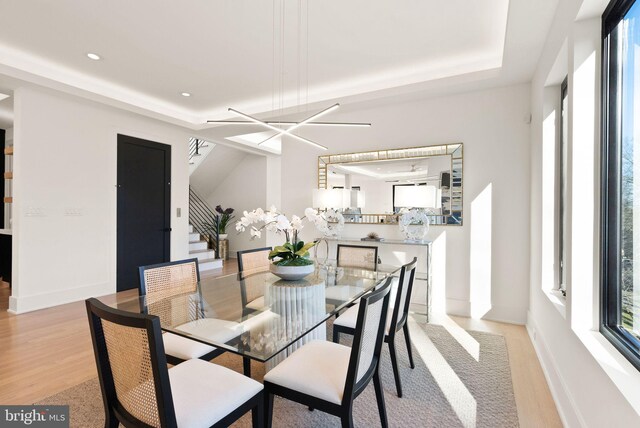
x=562, y=176
x=620, y=321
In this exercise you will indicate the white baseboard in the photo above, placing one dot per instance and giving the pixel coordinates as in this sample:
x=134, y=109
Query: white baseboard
x=461, y=308
x=564, y=401
x=22, y=304
x=509, y=315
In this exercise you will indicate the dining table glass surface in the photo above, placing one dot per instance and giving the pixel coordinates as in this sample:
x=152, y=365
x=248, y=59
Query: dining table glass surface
x=256, y=314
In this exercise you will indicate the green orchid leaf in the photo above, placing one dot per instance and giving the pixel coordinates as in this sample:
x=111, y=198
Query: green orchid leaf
x=304, y=250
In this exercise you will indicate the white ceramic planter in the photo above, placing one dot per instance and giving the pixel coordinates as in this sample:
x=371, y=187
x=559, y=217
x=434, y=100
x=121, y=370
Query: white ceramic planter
x=291, y=273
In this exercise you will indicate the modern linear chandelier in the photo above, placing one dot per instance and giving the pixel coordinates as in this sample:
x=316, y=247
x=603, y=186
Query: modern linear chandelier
x=283, y=127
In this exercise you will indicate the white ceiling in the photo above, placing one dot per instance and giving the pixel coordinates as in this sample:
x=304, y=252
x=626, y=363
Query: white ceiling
x=223, y=52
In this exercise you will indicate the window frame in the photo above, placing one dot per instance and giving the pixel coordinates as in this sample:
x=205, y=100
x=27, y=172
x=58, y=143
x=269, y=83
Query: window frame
x=610, y=276
x=563, y=153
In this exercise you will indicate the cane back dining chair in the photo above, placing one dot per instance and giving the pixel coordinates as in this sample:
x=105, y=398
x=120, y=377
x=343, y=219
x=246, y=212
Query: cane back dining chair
x=139, y=390
x=396, y=320
x=169, y=289
x=252, y=290
x=357, y=256
x=351, y=256
x=328, y=376
x=254, y=261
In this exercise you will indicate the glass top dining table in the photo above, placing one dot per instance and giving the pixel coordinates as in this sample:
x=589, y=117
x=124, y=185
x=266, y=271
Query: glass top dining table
x=258, y=315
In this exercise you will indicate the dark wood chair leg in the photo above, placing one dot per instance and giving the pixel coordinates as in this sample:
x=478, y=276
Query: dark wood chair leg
x=347, y=420
x=246, y=366
x=111, y=421
x=394, y=364
x=257, y=414
x=407, y=338
x=380, y=399
x=268, y=409
x=336, y=335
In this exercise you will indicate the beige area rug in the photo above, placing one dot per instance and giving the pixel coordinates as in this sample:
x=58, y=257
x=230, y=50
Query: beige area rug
x=452, y=386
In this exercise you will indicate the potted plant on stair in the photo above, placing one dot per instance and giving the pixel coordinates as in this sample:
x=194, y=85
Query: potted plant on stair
x=225, y=215
x=290, y=261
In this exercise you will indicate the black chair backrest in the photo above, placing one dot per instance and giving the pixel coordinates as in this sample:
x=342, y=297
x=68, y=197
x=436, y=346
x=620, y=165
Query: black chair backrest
x=367, y=340
x=403, y=296
x=132, y=367
x=357, y=256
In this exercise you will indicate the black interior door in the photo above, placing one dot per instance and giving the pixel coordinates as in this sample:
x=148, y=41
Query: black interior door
x=144, y=204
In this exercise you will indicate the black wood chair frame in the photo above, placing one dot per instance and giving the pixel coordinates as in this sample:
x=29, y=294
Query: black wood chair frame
x=353, y=388
x=398, y=322
x=115, y=413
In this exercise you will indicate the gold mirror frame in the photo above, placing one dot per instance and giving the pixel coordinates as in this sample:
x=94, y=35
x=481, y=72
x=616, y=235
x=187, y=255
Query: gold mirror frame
x=454, y=214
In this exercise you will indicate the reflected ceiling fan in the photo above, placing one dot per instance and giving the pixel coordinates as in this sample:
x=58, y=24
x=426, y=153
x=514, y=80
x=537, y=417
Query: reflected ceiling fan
x=414, y=169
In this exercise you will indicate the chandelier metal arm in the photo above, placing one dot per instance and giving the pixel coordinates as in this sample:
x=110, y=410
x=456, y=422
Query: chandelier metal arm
x=260, y=122
x=307, y=120
x=286, y=123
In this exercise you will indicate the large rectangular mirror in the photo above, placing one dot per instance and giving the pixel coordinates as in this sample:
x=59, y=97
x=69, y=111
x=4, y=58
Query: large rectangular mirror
x=384, y=182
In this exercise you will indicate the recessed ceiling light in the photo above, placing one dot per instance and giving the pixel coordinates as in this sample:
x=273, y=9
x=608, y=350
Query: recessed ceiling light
x=94, y=57
x=185, y=94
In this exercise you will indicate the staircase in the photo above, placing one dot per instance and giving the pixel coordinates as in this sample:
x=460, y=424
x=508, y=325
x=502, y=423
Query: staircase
x=198, y=249
x=198, y=151
x=200, y=213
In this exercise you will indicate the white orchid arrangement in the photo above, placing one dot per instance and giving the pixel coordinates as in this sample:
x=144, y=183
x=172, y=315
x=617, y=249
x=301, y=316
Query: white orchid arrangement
x=330, y=223
x=293, y=252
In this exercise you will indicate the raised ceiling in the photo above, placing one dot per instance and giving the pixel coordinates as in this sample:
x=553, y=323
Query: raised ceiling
x=223, y=52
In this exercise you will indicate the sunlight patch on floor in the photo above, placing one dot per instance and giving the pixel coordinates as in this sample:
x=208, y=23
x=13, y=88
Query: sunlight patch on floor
x=459, y=397
x=462, y=336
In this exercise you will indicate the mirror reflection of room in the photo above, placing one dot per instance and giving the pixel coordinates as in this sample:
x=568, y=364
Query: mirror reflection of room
x=387, y=187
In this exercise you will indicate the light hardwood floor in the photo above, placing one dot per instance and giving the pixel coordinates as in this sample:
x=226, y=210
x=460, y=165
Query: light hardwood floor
x=47, y=351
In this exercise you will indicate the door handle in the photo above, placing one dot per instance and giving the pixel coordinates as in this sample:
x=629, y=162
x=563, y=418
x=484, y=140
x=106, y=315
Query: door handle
x=166, y=229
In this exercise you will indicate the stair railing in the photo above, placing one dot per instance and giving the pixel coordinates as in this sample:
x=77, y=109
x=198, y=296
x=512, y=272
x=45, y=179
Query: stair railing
x=195, y=144
x=204, y=220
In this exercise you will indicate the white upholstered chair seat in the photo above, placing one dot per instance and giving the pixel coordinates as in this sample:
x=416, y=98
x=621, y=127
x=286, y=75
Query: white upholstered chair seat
x=342, y=292
x=203, y=393
x=256, y=304
x=255, y=321
x=214, y=329
x=206, y=328
x=318, y=369
x=349, y=317
x=183, y=348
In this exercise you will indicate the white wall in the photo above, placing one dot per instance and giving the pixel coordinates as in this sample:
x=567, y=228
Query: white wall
x=492, y=125
x=65, y=157
x=593, y=385
x=243, y=189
